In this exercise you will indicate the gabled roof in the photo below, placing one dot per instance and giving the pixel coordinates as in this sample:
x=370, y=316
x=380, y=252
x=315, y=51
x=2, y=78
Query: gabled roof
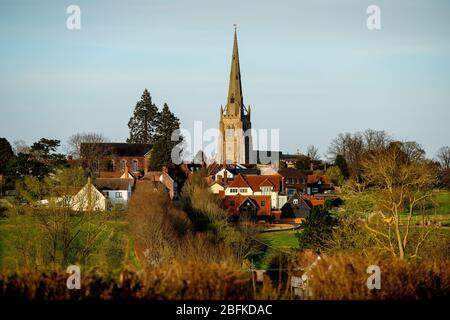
x=312, y=178
x=239, y=182
x=251, y=200
x=266, y=183
x=255, y=181
x=240, y=199
x=300, y=198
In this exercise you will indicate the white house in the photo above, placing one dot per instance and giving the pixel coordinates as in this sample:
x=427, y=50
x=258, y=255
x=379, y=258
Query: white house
x=116, y=191
x=86, y=198
x=249, y=185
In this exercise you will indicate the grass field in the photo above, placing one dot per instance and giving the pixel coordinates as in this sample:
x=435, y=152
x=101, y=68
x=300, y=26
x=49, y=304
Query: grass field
x=24, y=229
x=281, y=239
x=440, y=213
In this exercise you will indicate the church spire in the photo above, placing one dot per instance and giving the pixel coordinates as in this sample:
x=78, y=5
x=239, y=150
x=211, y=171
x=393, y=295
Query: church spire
x=235, y=100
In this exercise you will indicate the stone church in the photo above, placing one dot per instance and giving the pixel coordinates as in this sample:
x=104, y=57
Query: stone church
x=234, y=125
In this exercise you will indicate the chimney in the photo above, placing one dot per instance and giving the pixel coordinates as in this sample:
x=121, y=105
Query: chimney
x=311, y=166
x=225, y=176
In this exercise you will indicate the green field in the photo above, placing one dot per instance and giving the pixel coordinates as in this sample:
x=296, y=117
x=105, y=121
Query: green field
x=281, y=239
x=23, y=231
x=439, y=213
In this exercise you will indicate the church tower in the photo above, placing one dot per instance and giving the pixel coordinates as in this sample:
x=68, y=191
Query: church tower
x=234, y=124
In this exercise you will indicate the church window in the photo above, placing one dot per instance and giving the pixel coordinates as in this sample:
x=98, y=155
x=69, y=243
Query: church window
x=295, y=201
x=96, y=165
x=123, y=163
x=135, y=165
x=111, y=165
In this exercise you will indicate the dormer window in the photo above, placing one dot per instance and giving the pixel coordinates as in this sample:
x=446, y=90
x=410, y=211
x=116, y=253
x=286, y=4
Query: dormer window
x=266, y=190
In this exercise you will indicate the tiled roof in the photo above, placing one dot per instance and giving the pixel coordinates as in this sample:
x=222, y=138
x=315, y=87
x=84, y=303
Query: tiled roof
x=315, y=179
x=240, y=199
x=113, y=184
x=292, y=173
x=266, y=183
x=239, y=182
x=255, y=181
x=117, y=149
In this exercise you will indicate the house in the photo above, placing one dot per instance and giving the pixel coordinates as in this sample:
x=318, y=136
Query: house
x=165, y=179
x=295, y=180
x=217, y=186
x=86, y=198
x=249, y=208
x=110, y=160
x=290, y=160
x=117, y=191
x=318, y=184
x=270, y=185
x=296, y=209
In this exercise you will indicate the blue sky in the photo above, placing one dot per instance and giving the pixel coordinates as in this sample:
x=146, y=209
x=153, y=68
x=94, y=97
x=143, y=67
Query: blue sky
x=310, y=68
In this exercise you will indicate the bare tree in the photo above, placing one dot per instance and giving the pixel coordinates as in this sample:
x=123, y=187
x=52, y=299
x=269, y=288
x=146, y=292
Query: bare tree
x=354, y=147
x=375, y=140
x=313, y=153
x=402, y=182
x=75, y=141
x=413, y=150
x=20, y=146
x=443, y=156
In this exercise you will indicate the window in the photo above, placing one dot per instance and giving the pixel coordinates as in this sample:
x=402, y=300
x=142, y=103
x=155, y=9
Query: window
x=295, y=201
x=118, y=194
x=263, y=203
x=287, y=180
x=315, y=190
x=96, y=165
x=266, y=190
x=123, y=164
x=242, y=190
x=111, y=165
x=135, y=165
x=233, y=190
x=231, y=203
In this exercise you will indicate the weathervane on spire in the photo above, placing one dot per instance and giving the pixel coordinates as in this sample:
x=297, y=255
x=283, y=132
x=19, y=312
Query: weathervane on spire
x=234, y=26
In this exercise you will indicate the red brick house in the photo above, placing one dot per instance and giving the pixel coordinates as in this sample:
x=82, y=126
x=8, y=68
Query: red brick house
x=295, y=180
x=110, y=160
x=251, y=208
x=318, y=184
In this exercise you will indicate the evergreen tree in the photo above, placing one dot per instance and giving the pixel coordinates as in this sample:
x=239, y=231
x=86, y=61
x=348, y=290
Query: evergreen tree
x=6, y=153
x=143, y=123
x=162, y=148
x=316, y=229
x=342, y=165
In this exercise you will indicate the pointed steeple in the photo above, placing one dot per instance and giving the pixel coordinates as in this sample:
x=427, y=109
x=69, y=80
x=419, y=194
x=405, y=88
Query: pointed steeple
x=235, y=100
